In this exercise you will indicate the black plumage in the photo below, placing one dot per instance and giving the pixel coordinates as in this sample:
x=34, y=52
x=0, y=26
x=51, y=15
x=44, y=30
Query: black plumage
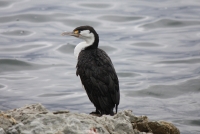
x=99, y=79
x=96, y=72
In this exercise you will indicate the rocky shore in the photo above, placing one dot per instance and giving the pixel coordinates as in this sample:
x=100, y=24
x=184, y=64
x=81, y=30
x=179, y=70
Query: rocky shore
x=36, y=119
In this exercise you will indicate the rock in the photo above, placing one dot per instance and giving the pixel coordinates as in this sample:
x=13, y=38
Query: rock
x=6, y=121
x=22, y=114
x=162, y=127
x=156, y=127
x=36, y=119
x=2, y=131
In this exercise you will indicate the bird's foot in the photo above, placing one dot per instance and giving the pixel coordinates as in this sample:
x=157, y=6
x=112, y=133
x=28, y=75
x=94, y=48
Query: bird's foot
x=97, y=113
x=112, y=113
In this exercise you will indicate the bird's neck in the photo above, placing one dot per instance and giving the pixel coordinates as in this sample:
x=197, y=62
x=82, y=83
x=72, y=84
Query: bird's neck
x=90, y=43
x=81, y=46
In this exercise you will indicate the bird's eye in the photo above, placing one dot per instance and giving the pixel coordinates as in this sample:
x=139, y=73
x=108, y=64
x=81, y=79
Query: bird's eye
x=76, y=31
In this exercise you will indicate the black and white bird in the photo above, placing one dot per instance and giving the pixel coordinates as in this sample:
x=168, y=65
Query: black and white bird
x=96, y=71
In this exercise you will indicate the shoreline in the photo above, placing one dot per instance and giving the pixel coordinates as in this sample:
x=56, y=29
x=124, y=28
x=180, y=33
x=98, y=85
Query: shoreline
x=36, y=119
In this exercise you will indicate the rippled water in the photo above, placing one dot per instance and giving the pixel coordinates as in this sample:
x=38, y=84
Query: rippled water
x=154, y=45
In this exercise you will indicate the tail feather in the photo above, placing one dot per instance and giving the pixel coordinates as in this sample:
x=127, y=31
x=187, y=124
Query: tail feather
x=116, y=107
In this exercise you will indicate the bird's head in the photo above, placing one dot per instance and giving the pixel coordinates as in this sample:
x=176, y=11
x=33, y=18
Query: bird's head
x=86, y=33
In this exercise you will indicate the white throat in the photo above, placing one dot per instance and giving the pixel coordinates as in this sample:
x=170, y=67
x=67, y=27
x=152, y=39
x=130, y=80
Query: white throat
x=89, y=40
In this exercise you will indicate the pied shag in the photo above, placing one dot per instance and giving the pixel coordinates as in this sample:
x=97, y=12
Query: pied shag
x=96, y=71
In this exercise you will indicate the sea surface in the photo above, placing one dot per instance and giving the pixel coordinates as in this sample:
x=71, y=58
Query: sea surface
x=154, y=46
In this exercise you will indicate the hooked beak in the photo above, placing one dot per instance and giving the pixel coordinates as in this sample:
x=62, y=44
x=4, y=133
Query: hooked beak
x=70, y=34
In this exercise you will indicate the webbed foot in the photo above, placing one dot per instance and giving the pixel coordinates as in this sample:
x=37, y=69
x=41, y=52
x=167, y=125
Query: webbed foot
x=96, y=113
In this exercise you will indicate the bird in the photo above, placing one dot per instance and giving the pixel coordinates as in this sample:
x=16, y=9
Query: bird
x=96, y=71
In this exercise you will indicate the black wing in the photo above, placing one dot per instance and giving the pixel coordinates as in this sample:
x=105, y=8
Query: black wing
x=99, y=79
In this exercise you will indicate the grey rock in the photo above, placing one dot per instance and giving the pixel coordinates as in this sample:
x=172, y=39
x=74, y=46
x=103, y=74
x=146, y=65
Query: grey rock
x=36, y=119
x=6, y=120
x=2, y=131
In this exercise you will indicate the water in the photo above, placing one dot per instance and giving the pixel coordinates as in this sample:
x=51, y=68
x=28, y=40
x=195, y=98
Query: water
x=154, y=45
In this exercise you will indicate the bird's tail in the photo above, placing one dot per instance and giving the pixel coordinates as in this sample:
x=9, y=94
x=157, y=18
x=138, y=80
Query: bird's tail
x=116, y=107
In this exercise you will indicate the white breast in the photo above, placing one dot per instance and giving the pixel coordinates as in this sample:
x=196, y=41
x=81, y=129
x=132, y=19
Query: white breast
x=88, y=41
x=81, y=46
